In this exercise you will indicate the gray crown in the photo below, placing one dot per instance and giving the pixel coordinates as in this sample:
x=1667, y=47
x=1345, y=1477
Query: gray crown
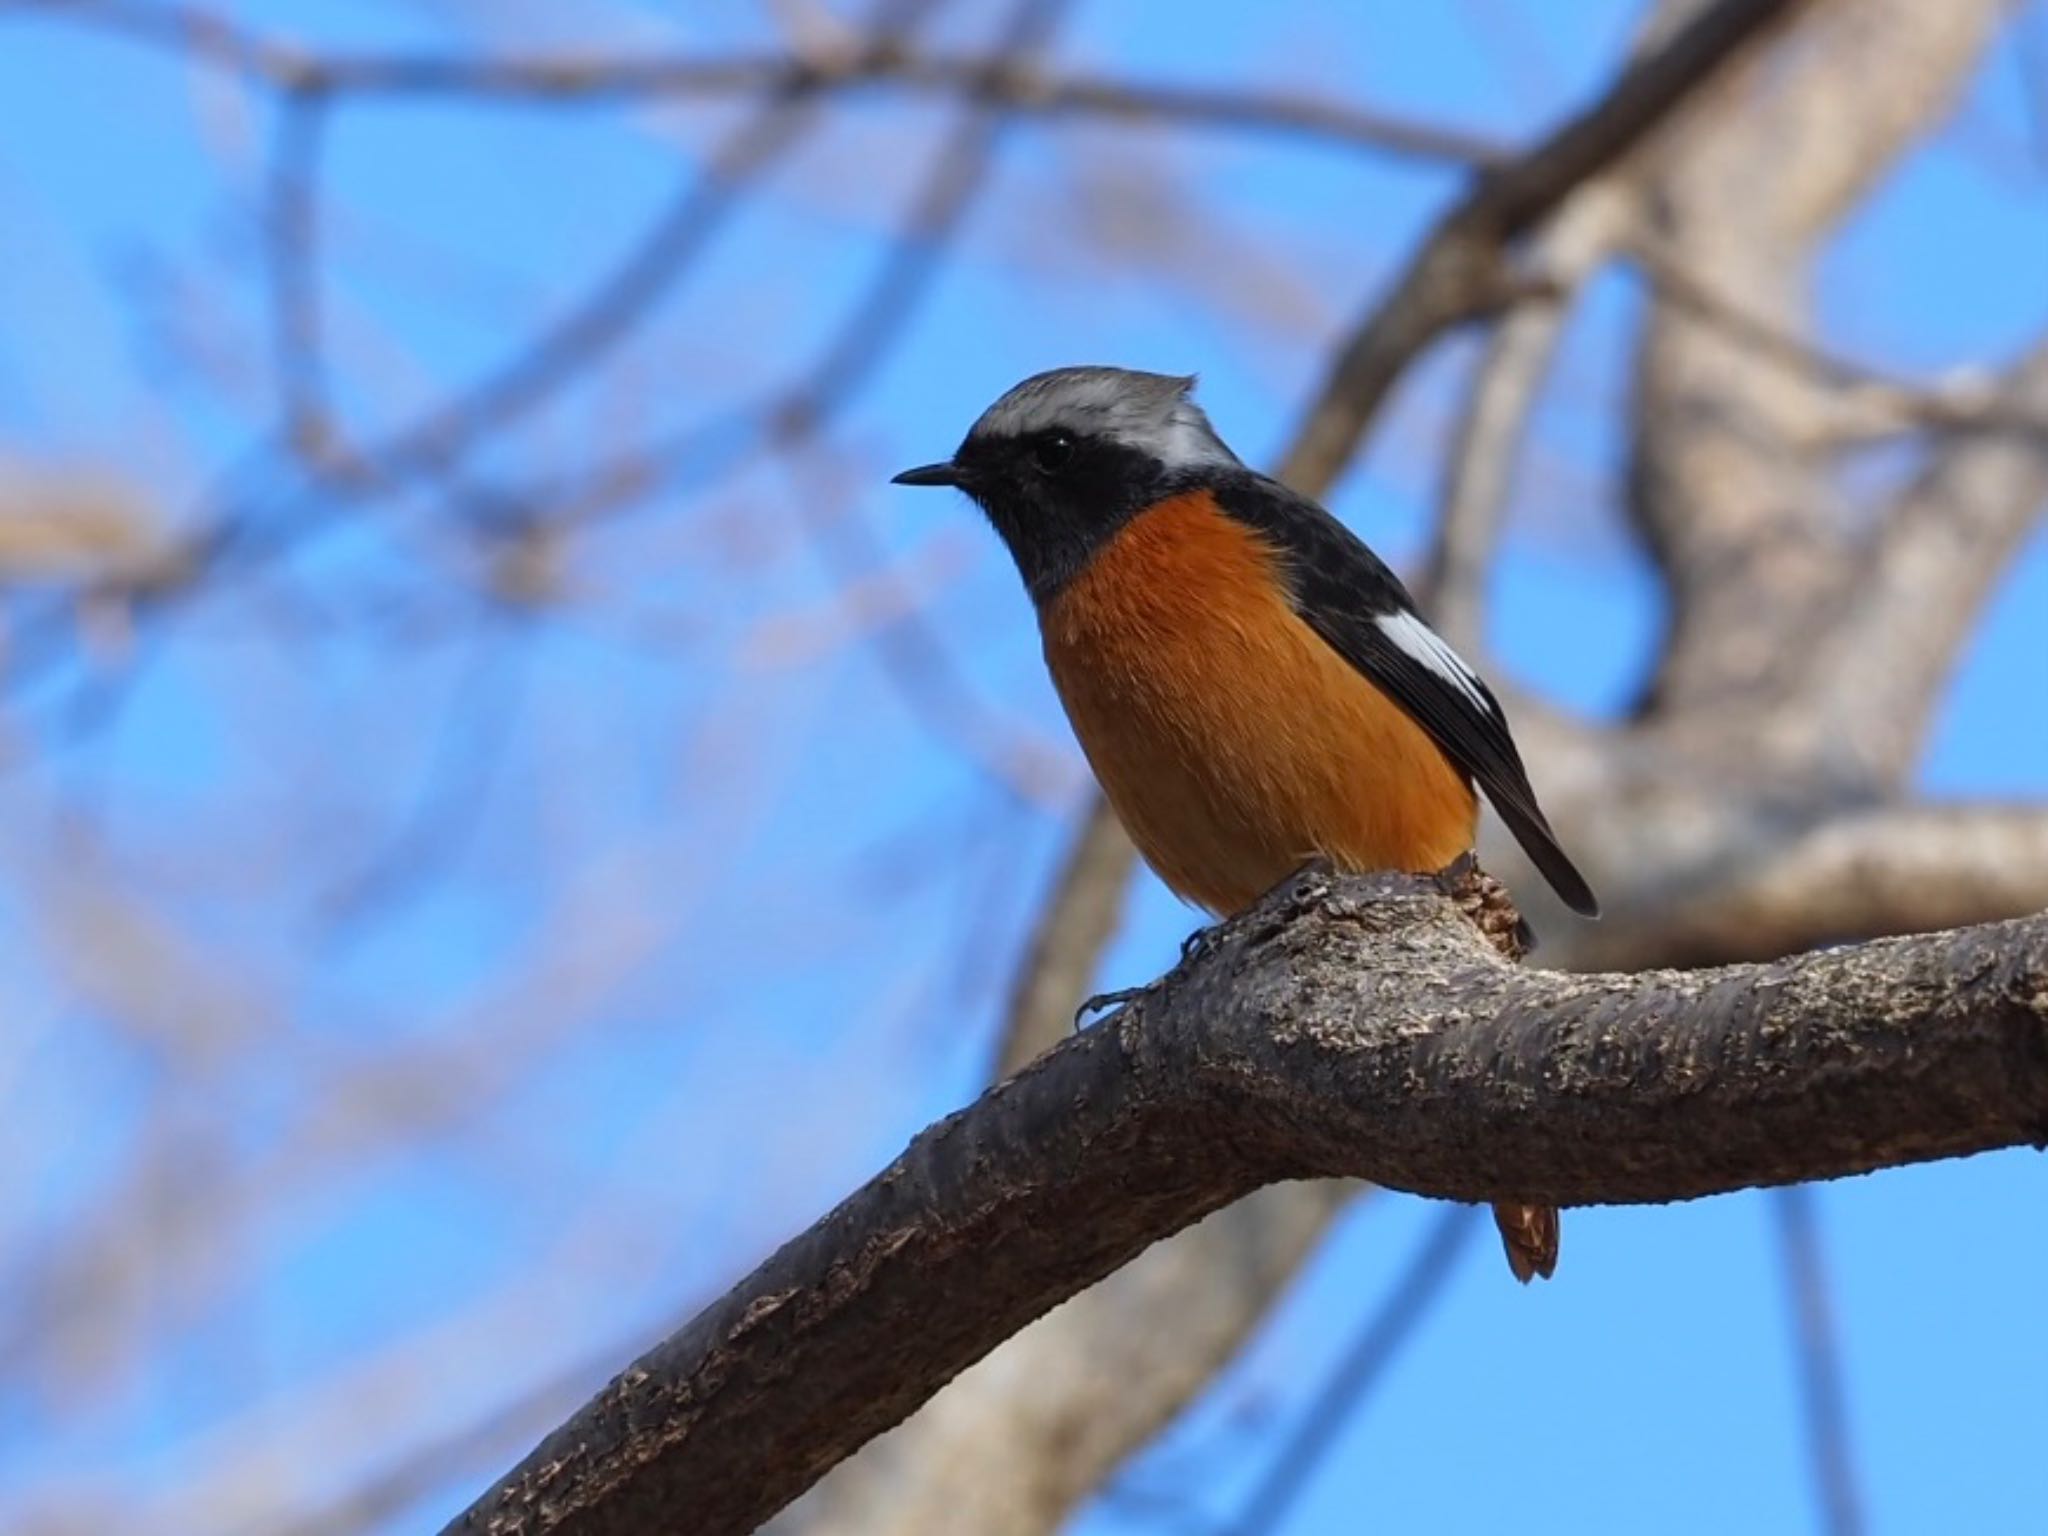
x=1151, y=412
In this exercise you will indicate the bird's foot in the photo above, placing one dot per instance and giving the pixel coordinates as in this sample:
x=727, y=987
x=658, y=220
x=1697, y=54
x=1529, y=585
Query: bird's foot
x=1103, y=1002
x=1461, y=871
x=1486, y=902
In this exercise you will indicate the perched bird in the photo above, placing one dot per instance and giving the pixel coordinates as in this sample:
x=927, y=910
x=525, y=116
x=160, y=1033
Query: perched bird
x=1251, y=685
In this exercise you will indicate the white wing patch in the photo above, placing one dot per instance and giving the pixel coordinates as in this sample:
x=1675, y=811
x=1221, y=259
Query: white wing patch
x=1416, y=638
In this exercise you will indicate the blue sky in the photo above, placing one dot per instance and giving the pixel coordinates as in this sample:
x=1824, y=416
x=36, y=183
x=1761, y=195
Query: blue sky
x=795, y=902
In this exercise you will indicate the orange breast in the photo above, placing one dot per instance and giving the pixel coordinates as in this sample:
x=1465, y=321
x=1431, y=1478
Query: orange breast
x=1234, y=744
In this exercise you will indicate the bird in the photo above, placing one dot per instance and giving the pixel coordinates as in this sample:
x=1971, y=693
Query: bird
x=1253, y=688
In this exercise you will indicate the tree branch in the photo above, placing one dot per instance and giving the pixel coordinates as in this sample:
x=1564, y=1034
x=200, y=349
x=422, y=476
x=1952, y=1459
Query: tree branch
x=1458, y=273
x=1014, y=1443
x=1360, y=1028
x=1773, y=889
x=991, y=79
x=1920, y=586
x=1730, y=483
x=1830, y=1452
x=1864, y=402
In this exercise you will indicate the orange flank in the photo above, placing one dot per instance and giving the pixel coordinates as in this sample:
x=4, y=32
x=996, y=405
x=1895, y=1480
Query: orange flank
x=1233, y=742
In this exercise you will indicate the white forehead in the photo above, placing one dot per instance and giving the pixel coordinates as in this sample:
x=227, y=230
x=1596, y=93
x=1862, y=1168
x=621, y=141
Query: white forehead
x=1147, y=411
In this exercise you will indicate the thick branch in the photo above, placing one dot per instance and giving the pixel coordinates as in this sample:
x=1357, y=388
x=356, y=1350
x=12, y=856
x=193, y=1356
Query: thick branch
x=1361, y=1030
x=1859, y=875
x=1015, y=1443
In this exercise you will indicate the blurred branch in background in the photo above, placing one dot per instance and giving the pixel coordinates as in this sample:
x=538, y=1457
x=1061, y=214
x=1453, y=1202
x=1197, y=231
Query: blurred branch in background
x=1000, y=79
x=1818, y=1351
x=1359, y=1368
x=378, y=786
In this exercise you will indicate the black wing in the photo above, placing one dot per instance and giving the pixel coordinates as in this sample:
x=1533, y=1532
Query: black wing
x=1346, y=594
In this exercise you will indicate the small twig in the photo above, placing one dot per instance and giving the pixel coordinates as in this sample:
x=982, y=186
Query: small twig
x=917, y=660
x=2030, y=54
x=468, y=756
x=1830, y=1457
x=615, y=303
x=1025, y=765
x=306, y=423
x=1873, y=403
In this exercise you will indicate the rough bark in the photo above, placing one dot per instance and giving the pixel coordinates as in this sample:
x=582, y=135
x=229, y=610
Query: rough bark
x=1358, y=1028
x=1069, y=1396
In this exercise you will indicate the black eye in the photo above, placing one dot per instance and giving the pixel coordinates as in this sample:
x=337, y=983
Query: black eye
x=1052, y=451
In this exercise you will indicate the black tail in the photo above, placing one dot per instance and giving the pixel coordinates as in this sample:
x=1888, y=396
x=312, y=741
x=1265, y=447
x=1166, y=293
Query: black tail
x=1540, y=843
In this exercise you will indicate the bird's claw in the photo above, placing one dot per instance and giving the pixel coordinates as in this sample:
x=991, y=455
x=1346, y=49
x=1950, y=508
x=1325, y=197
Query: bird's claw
x=1102, y=1002
x=1455, y=876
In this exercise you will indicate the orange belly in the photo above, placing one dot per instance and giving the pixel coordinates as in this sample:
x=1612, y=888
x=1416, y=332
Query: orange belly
x=1233, y=742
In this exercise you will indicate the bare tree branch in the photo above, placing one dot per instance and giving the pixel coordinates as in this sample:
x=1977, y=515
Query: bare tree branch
x=1361, y=1029
x=1503, y=392
x=1865, y=401
x=1774, y=888
x=1820, y=1363
x=995, y=80
x=1834, y=130
x=918, y=660
x=1109, y=1369
x=298, y=356
x=1025, y=1434
x=1730, y=487
x=1458, y=273
x=1917, y=591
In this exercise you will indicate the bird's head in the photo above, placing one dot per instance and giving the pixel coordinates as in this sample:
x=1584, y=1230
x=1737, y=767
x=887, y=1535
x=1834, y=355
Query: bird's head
x=1066, y=458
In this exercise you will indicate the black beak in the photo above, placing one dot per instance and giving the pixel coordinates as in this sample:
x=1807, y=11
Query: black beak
x=928, y=474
